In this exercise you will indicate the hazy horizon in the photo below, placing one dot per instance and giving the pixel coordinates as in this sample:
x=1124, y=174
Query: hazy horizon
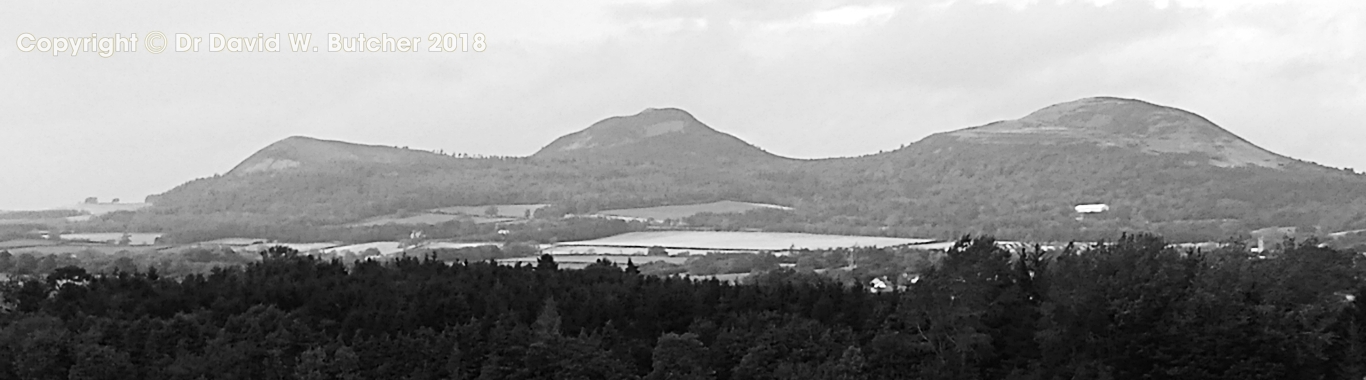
x=812, y=80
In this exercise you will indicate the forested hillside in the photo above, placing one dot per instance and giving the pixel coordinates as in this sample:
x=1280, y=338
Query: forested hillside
x=1027, y=192
x=1132, y=309
x=1161, y=169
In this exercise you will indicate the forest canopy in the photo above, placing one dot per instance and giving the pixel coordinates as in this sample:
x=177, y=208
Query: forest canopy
x=1134, y=308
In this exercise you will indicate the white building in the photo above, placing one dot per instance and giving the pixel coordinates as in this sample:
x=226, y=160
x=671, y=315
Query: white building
x=1092, y=208
x=879, y=285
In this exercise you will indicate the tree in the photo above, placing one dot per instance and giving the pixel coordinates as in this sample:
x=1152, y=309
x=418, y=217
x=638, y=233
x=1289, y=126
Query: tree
x=455, y=364
x=279, y=252
x=950, y=309
x=679, y=357
x=311, y=365
x=25, y=264
x=548, y=322
x=546, y=263
x=371, y=252
x=850, y=366
x=96, y=362
x=491, y=210
x=44, y=354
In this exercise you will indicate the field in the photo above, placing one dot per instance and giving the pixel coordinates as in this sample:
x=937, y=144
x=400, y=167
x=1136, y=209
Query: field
x=25, y=243
x=113, y=237
x=392, y=247
x=428, y=218
x=506, y=211
x=384, y=247
x=23, y=222
x=701, y=242
x=105, y=208
x=301, y=247
x=67, y=249
x=63, y=216
x=476, y=214
x=683, y=211
x=581, y=261
x=453, y=245
x=578, y=250
x=232, y=242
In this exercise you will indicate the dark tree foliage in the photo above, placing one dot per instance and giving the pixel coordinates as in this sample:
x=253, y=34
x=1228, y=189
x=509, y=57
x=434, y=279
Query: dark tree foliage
x=1129, y=309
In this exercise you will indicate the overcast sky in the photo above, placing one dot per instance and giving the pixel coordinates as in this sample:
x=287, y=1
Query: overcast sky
x=799, y=79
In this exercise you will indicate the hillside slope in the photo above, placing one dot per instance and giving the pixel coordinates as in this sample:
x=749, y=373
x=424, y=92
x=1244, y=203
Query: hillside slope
x=1126, y=123
x=310, y=153
x=1162, y=169
x=667, y=135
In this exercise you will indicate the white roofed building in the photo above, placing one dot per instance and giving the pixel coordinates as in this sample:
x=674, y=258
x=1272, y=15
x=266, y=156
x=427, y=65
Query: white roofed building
x=1092, y=208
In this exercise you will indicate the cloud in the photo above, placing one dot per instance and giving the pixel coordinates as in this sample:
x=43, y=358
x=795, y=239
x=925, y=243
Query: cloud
x=854, y=15
x=804, y=79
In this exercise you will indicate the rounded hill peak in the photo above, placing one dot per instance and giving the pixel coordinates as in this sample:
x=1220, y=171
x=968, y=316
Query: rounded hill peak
x=1118, y=115
x=1129, y=123
x=654, y=134
x=302, y=151
x=666, y=112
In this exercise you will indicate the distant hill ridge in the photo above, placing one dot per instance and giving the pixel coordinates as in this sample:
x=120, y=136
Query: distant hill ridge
x=655, y=134
x=1127, y=123
x=674, y=135
x=296, y=151
x=1159, y=168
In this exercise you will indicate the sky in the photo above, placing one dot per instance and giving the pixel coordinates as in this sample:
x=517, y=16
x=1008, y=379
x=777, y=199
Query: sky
x=804, y=79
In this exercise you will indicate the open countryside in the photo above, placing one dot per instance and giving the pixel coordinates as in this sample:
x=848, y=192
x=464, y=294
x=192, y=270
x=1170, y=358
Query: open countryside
x=867, y=276
x=678, y=212
x=499, y=210
x=137, y=238
x=421, y=219
x=702, y=242
x=503, y=213
x=581, y=261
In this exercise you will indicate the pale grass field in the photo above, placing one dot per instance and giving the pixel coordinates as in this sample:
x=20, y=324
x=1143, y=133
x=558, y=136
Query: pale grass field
x=731, y=241
x=683, y=211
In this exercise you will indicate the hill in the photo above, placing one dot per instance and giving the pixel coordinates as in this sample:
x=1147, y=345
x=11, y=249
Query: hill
x=667, y=135
x=1126, y=123
x=1161, y=169
x=298, y=152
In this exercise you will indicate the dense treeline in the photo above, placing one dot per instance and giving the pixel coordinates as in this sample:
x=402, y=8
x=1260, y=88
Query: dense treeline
x=176, y=263
x=21, y=231
x=1132, y=309
x=43, y=214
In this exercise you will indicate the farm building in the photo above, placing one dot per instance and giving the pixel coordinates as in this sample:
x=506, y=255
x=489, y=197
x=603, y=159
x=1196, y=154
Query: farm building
x=1267, y=238
x=1092, y=208
x=879, y=285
